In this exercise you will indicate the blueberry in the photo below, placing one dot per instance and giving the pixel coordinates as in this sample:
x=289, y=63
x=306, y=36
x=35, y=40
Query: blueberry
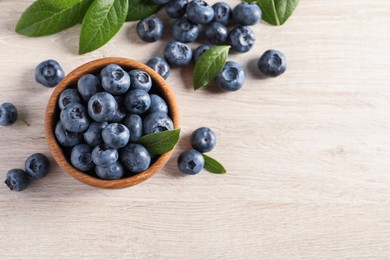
x=66, y=138
x=190, y=162
x=102, y=107
x=222, y=13
x=183, y=30
x=120, y=113
x=17, y=180
x=247, y=13
x=74, y=117
x=104, y=156
x=200, y=50
x=81, y=157
x=37, y=166
x=116, y=135
x=93, y=135
x=150, y=29
x=108, y=69
x=231, y=77
x=116, y=81
x=68, y=96
x=157, y=122
x=140, y=80
x=160, y=2
x=159, y=65
x=176, y=8
x=216, y=33
x=199, y=12
x=203, y=139
x=177, y=53
x=8, y=114
x=134, y=123
x=135, y=158
x=157, y=104
x=49, y=73
x=241, y=38
x=137, y=101
x=272, y=63
x=88, y=85
x=112, y=172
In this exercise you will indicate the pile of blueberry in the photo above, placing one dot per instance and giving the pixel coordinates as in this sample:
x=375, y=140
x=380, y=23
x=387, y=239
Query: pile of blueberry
x=191, y=161
x=221, y=25
x=103, y=118
x=36, y=167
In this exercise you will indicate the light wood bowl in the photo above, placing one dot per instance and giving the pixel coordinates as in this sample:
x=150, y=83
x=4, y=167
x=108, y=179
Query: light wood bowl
x=160, y=86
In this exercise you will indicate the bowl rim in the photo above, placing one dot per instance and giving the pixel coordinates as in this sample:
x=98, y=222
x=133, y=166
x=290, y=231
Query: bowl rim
x=71, y=80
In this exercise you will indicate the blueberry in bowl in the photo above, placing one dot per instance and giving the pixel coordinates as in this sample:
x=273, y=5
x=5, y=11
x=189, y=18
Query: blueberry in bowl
x=95, y=146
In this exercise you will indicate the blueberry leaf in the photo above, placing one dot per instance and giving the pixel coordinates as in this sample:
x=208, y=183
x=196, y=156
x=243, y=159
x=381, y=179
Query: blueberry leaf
x=209, y=65
x=276, y=12
x=45, y=17
x=213, y=165
x=159, y=143
x=102, y=21
x=140, y=9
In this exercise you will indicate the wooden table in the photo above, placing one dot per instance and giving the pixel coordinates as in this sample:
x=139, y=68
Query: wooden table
x=308, y=153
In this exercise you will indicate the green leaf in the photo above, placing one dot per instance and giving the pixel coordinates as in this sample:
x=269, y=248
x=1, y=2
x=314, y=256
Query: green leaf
x=45, y=17
x=159, y=143
x=102, y=21
x=140, y=9
x=276, y=12
x=209, y=65
x=213, y=165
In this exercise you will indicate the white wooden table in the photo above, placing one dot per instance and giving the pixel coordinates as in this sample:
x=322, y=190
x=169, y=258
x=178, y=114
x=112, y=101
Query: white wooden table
x=308, y=154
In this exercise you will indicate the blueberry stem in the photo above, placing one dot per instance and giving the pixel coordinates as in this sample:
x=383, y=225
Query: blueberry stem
x=23, y=121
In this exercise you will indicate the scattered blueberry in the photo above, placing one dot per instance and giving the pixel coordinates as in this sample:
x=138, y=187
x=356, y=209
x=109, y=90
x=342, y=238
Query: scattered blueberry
x=199, y=12
x=81, y=157
x=272, y=63
x=140, y=80
x=137, y=101
x=200, y=50
x=241, y=38
x=150, y=29
x=134, y=123
x=49, y=73
x=222, y=13
x=66, y=138
x=176, y=8
x=177, y=53
x=247, y=14
x=74, y=117
x=231, y=77
x=216, y=33
x=93, y=135
x=135, y=158
x=183, y=30
x=116, y=81
x=37, y=166
x=157, y=122
x=116, y=135
x=112, y=172
x=190, y=162
x=17, y=180
x=8, y=114
x=157, y=104
x=88, y=85
x=159, y=65
x=104, y=156
x=102, y=107
x=203, y=139
x=68, y=96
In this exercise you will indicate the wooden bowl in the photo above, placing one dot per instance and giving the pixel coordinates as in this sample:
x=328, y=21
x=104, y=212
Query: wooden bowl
x=160, y=86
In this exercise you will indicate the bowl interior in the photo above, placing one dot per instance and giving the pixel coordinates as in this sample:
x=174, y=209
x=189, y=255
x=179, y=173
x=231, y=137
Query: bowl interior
x=160, y=87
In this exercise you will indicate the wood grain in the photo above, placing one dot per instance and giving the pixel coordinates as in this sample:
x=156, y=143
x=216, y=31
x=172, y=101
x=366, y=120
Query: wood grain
x=307, y=153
